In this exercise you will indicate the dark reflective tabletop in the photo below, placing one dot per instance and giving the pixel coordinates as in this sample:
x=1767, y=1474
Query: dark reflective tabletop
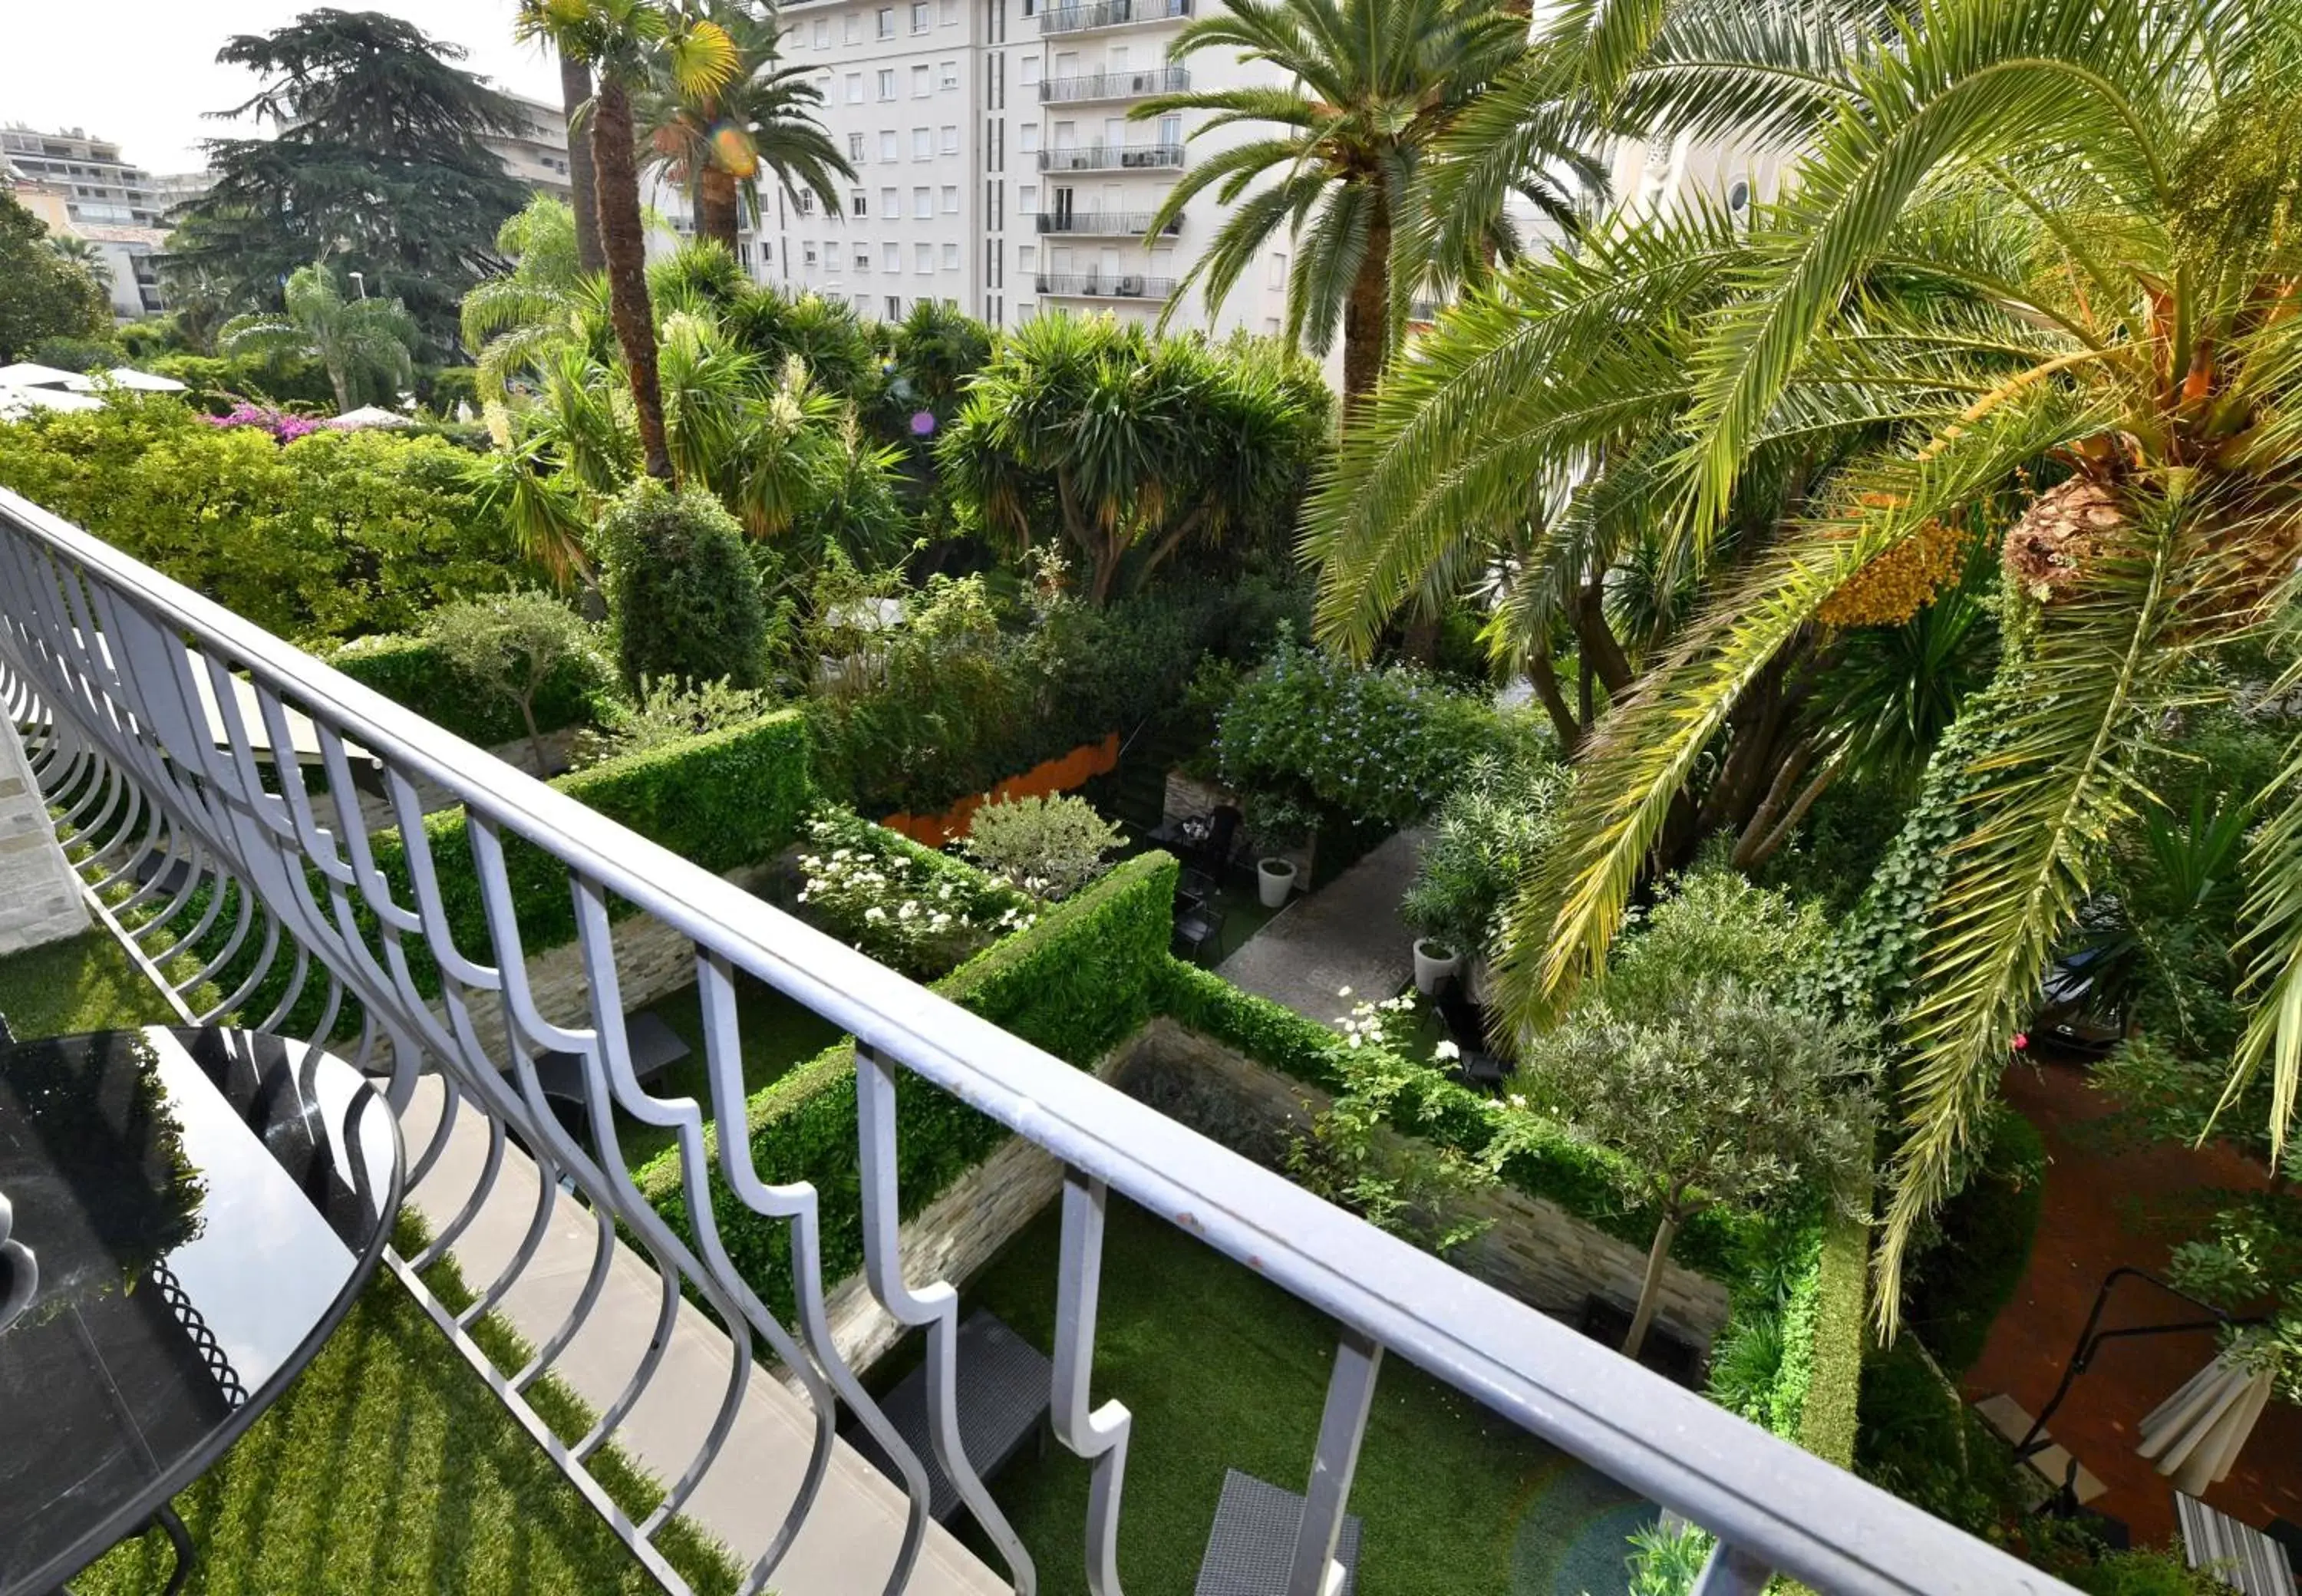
x=185, y=1215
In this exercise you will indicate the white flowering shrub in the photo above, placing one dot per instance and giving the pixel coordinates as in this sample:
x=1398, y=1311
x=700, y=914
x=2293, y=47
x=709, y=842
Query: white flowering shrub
x=920, y=914
x=1050, y=847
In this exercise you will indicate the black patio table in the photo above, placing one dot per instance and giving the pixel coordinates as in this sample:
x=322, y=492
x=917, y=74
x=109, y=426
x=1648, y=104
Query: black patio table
x=186, y=1215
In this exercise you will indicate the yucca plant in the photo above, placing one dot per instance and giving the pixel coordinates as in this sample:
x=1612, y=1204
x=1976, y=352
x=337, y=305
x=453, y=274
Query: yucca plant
x=2035, y=269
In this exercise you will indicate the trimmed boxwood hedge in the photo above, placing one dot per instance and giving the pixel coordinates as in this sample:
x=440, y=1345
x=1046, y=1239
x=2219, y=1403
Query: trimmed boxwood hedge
x=1563, y=1170
x=1075, y=983
x=411, y=672
x=721, y=799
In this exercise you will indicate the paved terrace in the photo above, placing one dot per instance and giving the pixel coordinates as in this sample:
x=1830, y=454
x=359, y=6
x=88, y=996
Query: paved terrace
x=1346, y=934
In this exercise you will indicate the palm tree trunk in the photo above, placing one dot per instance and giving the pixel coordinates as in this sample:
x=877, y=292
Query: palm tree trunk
x=717, y=213
x=575, y=93
x=1366, y=314
x=622, y=236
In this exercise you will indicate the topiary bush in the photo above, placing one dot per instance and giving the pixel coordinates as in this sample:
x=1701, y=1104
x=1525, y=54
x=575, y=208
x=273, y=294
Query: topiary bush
x=682, y=590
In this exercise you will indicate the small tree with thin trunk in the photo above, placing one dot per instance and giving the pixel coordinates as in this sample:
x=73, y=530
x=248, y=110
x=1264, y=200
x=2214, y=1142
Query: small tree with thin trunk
x=1708, y=1090
x=509, y=646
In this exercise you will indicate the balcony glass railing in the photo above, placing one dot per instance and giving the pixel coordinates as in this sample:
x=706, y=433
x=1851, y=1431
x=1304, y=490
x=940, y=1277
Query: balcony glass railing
x=1106, y=224
x=192, y=762
x=1115, y=85
x=1111, y=13
x=1114, y=158
x=1104, y=285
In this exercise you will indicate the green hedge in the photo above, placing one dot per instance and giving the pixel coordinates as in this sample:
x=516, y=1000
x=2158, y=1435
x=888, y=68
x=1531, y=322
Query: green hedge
x=411, y=672
x=1562, y=1171
x=1077, y=983
x=722, y=800
x=1959, y=1286
x=1828, y=1420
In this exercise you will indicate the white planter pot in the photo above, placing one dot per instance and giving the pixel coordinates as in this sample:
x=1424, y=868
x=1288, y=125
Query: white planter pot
x=1274, y=880
x=1433, y=964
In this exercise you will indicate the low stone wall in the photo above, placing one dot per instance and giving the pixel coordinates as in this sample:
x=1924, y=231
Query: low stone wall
x=652, y=961
x=40, y=895
x=1533, y=1249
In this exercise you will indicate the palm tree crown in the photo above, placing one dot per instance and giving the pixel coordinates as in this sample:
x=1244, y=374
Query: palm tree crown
x=1375, y=83
x=359, y=342
x=2034, y=277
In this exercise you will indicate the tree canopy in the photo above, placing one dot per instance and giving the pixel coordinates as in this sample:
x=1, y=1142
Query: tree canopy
x=44, y=293
x=378, y=167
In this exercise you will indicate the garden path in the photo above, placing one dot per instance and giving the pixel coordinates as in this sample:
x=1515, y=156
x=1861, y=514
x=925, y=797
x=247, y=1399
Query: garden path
x=2108, y=1202
x=1347, y=933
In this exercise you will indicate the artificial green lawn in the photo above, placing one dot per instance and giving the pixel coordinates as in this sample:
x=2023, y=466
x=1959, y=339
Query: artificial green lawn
x=1222, y=1369
x=389, y=1468
x=779, y=1034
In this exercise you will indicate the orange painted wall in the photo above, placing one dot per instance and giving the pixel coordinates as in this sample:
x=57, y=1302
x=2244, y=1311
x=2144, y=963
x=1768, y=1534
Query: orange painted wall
x=1074, y=770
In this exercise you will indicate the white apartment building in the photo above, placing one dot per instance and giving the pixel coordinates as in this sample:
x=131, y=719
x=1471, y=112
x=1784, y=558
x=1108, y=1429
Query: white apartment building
x=537, y=158
x=82, y=187
x=996, y=167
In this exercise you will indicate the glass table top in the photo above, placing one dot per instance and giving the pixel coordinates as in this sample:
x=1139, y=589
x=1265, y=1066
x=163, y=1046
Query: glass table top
x=185, y=1215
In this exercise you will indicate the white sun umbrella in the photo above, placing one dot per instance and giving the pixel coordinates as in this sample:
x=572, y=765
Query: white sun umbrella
x=2195, y=1435
x=142, y=382
x=25, y=374
x=369, y=416
x=17, y=401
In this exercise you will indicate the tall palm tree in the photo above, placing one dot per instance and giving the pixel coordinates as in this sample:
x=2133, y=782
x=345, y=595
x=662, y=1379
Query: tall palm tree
x=717, y=143
x=356, y=340
x=546, y=300
x=624, y=43
x=2037, y=271
x=575, y=104
x=1373, y=83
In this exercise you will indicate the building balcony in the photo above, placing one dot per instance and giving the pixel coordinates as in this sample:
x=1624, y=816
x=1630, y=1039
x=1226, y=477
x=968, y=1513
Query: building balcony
x=251, y=826
x=1111, y=13
x=1105, y=224
x=1114, y=158
x=1103, y=285
x=1114, y=86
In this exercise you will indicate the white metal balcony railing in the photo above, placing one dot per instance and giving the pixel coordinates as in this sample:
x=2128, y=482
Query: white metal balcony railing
x=1114, y=158
x=1103, y=285
x=103, y=663
x=1115, y=85
x=1106, y=224
x=1110, y=13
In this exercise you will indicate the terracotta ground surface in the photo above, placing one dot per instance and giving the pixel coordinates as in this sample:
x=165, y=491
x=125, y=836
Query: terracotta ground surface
x=2111, y=1202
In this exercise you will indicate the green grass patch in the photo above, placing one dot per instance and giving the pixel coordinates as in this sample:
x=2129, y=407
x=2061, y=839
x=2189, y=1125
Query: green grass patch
x=85, y=983
x=1222, y=1369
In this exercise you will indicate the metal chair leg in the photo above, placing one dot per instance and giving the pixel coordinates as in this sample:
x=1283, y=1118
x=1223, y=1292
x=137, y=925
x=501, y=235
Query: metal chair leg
x=181, y=1540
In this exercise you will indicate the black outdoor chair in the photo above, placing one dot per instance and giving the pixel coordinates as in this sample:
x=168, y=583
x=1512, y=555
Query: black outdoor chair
x=1467, y=1028
x=1198, y=927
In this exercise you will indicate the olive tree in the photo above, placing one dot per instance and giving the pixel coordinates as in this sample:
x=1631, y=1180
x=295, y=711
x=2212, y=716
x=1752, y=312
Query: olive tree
x=509, y=646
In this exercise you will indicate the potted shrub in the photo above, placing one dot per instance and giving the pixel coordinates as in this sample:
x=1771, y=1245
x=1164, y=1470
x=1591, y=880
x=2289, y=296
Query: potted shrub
x=1487, y=833
x=1279, y=823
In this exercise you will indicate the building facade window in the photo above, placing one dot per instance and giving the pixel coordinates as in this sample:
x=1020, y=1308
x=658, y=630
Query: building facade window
x=892, y=256
x=887, y=22
x=1278, y=269
x=951, y=199
x=863, y=258
x=922, y=16
x=891, y=203
x=889, y=145
x=923, y=257
x=951, y=257
x=855, y=89
x=922, y=144
x=1031, y=71
x=950, y=74
x=951, y=14
x=823, y=33
x=886, y=82
x=922, y=81
x=951, y=140
x=854, y=146
x=859, y=203
x=923, y=201
x=894, y=308
x=855, y=29
x=807, y=202
x=1026, y=136
x=807, y=254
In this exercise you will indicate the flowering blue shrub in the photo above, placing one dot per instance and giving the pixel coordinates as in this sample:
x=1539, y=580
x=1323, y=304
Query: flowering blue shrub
x=1311, y=737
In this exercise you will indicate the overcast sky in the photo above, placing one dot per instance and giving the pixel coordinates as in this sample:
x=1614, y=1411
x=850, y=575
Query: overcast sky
x=141, y=72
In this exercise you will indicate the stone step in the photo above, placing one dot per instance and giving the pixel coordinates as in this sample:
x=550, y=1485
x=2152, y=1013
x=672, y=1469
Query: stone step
x=2050, y=1463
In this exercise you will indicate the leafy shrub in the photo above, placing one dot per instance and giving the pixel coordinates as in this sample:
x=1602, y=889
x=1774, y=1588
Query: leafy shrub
x=1488, y=832
x=1918, y=1439
x=333, y=536
x=1712, y=924
x=1050, y=847
x=682, y=590
x=273, y=377
x=669, y=712
x=65, y=352
x=510, y=647
x=921, y=912
x=413, y=672
x=1312, y=738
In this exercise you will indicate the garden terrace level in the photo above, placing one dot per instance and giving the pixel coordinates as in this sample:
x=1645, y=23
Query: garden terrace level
x=102, y=661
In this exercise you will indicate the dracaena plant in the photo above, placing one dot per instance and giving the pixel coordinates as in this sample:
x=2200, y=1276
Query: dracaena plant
x=2033, y=278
